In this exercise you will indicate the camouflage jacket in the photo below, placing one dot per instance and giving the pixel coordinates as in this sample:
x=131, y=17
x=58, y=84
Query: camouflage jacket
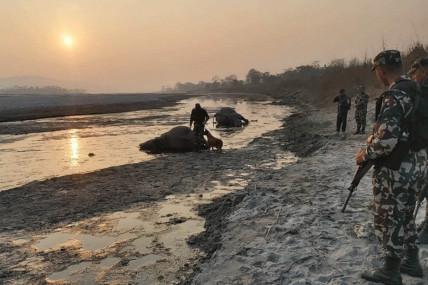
x=361, y=101
x=388, y=129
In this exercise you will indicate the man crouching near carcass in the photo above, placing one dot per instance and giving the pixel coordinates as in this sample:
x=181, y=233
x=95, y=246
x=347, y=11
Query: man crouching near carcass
x=200, y=116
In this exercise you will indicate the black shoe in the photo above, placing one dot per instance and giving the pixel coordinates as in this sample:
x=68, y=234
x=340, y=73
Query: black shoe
x=410, y=263
x=357, y=131
x=388, y=274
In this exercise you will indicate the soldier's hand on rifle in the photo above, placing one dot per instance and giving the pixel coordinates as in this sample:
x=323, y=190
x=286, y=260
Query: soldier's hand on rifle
x=359, y=156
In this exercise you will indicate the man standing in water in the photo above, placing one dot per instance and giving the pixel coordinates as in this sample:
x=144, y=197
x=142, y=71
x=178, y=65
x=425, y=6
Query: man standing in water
x=394, y=189
x=343, y=106
x=419, y=73
x=361, y=102
x=200, y=117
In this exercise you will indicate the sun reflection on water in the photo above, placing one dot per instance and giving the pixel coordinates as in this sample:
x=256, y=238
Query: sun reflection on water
x=74, y=147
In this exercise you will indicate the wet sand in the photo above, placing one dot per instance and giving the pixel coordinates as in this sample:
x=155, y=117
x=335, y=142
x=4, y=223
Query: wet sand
x=46, y=224
x=281, y=224
x=287, y=227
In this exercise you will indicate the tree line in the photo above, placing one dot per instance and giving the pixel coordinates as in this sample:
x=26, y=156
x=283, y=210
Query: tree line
x=326, y=79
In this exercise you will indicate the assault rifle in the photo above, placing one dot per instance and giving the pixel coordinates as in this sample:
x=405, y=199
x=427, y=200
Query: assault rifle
x=362, y=169
x=421, y=197
x=392, y=161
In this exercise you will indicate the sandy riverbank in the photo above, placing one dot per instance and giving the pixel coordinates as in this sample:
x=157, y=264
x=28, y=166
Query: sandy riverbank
x=288, y=227
x=283, y=226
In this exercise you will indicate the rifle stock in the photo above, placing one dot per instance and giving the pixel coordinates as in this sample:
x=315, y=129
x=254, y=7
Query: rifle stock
x=362, y=169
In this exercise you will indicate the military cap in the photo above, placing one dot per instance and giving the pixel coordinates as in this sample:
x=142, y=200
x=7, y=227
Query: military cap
x=423, y=61
x=387, y=57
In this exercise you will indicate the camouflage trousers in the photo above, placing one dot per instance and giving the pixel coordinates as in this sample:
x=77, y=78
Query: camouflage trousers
x=395, y=195
x=360, y=118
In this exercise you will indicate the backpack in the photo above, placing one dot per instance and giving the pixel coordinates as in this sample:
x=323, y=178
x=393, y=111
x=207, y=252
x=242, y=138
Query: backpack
x=418, y=119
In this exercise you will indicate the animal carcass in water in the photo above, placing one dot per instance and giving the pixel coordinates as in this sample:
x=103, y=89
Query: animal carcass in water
x=228, y=117
x=178, y=139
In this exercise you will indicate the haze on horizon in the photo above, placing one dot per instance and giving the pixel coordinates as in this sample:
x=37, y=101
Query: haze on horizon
x=140, y=46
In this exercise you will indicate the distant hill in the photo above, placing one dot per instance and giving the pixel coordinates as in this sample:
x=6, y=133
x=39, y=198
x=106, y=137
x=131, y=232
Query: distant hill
x=38, y=81
x=43, y=90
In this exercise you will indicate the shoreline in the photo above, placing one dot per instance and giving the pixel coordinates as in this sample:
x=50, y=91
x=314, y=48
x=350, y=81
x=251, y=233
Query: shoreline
x=40, y=208
x=283, y=227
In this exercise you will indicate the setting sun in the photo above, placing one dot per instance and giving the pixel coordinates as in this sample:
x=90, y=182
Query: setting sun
x=68, y=41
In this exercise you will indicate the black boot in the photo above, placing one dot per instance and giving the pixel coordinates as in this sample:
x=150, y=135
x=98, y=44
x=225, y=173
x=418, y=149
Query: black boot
x=362, y=132
x=357, y=131
x=388, y=274
x=423, y=234
x=410, y=263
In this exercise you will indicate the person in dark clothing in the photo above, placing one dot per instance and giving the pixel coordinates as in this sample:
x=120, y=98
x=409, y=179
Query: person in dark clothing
x=343, y=106
x=199, y=117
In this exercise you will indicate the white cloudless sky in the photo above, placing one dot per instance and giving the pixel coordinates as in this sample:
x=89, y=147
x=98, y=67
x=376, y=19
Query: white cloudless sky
x=141, y=45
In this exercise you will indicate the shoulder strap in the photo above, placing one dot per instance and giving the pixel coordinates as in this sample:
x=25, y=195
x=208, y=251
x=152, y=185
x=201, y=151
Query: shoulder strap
x=417, y=100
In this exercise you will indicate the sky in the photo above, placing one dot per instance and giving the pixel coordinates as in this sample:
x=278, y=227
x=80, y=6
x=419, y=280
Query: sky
x=142, y=45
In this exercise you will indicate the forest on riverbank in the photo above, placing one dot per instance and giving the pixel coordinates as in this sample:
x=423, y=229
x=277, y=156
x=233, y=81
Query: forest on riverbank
x=326, y=80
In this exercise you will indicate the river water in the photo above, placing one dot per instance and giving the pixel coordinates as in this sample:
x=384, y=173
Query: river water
x=114, y=138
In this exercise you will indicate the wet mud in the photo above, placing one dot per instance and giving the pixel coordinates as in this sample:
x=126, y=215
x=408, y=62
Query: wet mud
x=288, y=228
x=266, y=213
x=127, y=224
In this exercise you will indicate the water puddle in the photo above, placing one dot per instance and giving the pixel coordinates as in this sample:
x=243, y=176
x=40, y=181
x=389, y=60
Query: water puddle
x=113, y=139
x=109, y=261
x=53, y=240
x=132, y=222
x=20, y=241
x=174, y=240
x=143, y=261
x=143, y=244
x=88, y=242
x=92, y=243
x=75, y=272
x=138, y=238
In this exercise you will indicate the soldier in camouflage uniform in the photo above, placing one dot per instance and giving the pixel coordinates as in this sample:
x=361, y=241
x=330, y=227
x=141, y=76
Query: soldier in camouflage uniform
x=419, y=73
x=361, y=102
x=394, y=191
